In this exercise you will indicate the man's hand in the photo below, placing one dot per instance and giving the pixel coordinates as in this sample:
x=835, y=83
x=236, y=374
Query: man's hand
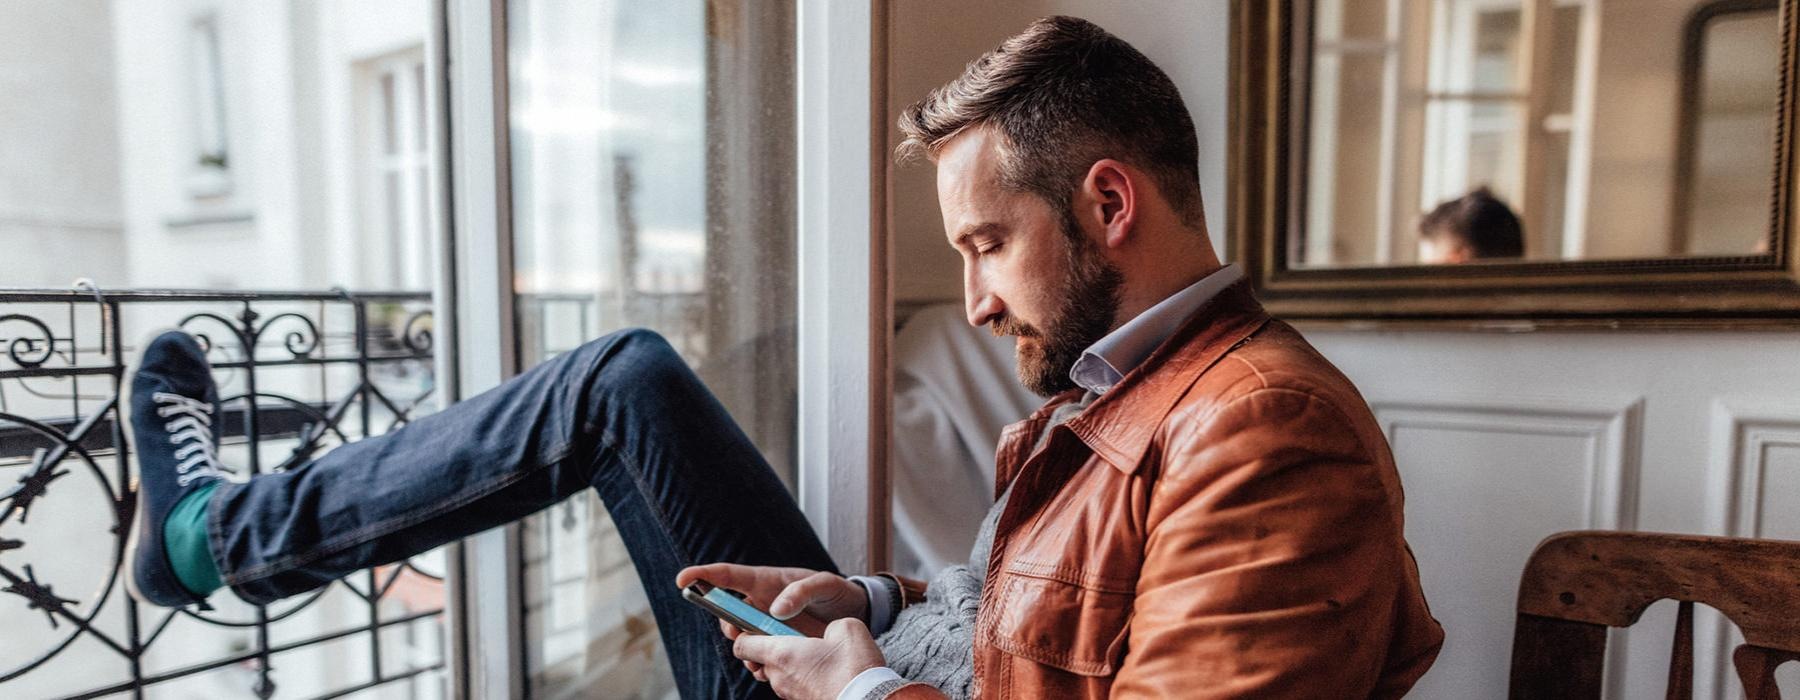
x=786, y=593
x=811, y=669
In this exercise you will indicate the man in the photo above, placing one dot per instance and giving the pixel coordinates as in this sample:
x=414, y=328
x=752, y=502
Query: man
x=1205, y=507
x=1475, y=226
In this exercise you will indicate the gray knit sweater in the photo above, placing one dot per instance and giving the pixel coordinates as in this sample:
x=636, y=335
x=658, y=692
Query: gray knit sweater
x=934, y=641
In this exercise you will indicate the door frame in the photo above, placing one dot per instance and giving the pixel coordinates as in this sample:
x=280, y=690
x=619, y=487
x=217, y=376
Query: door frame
x=842, y=283
x=489, y=654
x=845, y=294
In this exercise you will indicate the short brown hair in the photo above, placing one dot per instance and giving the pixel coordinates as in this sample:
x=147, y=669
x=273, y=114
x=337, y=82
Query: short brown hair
x=1065, y=93
x=1481, y=222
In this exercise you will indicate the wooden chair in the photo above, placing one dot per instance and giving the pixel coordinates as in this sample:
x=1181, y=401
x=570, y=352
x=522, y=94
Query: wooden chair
x=1577, y=584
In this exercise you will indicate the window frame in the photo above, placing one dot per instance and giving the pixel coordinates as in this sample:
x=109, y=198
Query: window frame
x=397, y=221
x=210, y=175
x=842, y=283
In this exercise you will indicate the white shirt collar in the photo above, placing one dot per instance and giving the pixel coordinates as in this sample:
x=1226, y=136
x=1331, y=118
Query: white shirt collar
x=1109, y=359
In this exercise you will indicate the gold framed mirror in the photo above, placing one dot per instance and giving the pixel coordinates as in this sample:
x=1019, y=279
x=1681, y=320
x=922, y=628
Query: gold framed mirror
x=1580, y=162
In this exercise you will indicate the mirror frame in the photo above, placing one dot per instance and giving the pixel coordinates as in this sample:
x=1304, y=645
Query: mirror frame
x=1267, y=183
x=1693, y=50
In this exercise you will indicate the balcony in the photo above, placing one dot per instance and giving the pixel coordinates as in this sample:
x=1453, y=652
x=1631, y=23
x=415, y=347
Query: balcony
x=299, y=373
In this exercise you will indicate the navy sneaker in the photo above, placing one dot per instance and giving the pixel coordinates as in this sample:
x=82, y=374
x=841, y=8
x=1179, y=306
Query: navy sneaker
x=174, y=404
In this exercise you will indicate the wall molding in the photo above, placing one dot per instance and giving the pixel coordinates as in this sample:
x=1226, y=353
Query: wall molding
x=1741, y=435
x=1614, y=429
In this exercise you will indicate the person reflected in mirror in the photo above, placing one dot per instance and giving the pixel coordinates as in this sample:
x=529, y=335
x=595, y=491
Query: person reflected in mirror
x=1474, y=227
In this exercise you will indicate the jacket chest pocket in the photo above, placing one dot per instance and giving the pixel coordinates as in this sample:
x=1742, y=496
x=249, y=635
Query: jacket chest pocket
x=1089, y=533
x=1066, y=625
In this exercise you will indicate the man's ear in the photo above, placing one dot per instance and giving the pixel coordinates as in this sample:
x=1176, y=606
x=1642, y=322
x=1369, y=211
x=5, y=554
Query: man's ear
x=1111, y=191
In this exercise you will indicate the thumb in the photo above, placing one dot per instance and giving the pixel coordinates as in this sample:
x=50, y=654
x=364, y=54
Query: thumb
x=817, y=588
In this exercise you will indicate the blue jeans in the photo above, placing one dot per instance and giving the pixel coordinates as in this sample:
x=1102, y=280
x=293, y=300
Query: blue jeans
x=623, y=414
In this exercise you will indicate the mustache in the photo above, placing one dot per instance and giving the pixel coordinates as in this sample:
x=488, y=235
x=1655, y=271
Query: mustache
x=1005, y=325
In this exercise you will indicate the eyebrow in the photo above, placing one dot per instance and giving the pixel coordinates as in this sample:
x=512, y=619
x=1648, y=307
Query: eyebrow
x=962, y=239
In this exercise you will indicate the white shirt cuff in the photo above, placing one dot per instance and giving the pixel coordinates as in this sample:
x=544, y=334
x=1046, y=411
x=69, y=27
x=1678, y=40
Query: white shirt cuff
x=866, y=682
x=881, y=595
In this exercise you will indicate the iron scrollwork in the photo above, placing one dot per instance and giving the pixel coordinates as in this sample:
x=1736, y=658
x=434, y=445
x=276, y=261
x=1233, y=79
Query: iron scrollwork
x=47, y=437
x=20, y=349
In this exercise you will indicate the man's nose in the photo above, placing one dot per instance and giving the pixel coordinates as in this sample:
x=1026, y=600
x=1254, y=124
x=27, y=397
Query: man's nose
x=981, y=307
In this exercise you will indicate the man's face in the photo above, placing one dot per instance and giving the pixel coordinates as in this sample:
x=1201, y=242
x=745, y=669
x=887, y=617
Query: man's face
x=1028, y=271
x=1442, y=249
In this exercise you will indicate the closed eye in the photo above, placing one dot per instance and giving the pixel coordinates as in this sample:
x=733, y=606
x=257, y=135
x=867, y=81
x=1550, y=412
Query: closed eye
x=987, y=249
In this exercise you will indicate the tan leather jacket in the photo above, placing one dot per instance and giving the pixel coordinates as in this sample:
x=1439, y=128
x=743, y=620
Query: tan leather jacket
x=1224, y=523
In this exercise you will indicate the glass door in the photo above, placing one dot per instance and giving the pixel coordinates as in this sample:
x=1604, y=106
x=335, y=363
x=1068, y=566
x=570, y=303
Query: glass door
x=652, y=170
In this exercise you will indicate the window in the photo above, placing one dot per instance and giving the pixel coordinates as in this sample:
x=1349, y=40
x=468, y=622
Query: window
x=211, y=171
x=652, y=157
x=1417, y=102
x=396, y=165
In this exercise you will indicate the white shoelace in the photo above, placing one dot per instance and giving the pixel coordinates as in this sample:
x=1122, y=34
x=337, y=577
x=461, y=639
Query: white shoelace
x=191, y=434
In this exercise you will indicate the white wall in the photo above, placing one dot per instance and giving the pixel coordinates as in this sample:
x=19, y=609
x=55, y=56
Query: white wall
x=1502, y=439
x=101, y=144
x=291, y=88
x=174, y=239
x=59, y=182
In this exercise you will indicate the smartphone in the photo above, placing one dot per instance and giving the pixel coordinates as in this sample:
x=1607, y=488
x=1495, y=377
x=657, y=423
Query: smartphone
x=730, y=608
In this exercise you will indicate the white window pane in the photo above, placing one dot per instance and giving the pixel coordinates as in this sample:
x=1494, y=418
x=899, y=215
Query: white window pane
x=652, y=158
x=390, y=116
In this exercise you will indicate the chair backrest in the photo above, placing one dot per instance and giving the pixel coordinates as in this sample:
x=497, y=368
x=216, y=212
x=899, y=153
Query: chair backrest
x=1577, y=584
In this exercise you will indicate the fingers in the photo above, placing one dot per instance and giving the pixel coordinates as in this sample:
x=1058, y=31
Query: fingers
x=732, y=576
x=821, y=587
x=846, y=627
x=758, y=648
x=855, y=648
x=792, y=665
x=730, y=630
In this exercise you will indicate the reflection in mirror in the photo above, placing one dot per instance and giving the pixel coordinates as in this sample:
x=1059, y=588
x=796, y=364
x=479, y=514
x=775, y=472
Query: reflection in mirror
x=1449, y=131
x=1728, y=122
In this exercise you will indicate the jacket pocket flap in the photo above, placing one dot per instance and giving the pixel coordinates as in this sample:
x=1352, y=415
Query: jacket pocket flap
x=1075, y=628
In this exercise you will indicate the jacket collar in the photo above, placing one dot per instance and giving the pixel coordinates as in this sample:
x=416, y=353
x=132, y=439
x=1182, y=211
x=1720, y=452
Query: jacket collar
x=1119, y=426
x=1105, y=362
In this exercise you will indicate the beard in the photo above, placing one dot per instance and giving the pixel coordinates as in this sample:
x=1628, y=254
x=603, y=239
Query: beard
x=1086, y=305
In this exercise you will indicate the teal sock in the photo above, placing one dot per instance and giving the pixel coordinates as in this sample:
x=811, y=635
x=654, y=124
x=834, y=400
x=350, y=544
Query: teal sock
x=184, y=538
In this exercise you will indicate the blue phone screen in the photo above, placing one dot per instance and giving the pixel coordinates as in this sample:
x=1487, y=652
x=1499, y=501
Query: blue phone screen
x=750, y=614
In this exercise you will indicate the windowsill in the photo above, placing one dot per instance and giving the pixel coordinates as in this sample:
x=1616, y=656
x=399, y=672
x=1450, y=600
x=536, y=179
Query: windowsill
x=198, y=219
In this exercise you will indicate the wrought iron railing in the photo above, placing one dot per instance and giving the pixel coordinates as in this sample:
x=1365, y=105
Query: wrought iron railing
x=299, y=373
